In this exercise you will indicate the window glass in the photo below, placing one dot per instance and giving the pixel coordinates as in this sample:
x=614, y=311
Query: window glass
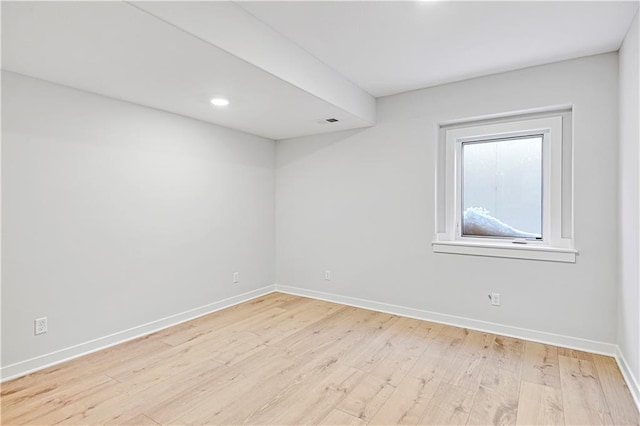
x=502, y=188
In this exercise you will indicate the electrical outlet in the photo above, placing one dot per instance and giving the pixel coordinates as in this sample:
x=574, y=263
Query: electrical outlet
x=495, y=299
x=236, y=277
x=40, y=325
x=327, y=275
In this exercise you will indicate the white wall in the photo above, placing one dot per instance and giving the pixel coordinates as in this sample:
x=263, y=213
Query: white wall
x=115, y=215
x=361, y=204
x=629, y=294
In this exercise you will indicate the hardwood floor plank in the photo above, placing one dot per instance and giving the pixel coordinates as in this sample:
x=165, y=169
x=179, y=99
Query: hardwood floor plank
x=573, y=353
x=294, y=367
x=240, y=317
x=582, y=396
x=348, y=326
x=337, y=417
x=48, y=405
x=350, y=348
x=163, y=383
x=408, y=402
x=366, y=358
x=72, y=411
x=428, y=330
x=205, y=396
x=49, y=379
x=508, y=353
x=393, y=344
x=539, y=405
x=456, y=332
x=226, y=317
x=310, y=402
x=436, y=359
x=256, y=401
x=283, y=359
x=466, y=369
x=128, y=401
x=496, y=401
x=540, y=364
x=328, y=329
x=396, y=365
x=450, y=405
x=159, y=357
x=364, y=401
x=293, y=320
x=241, y=346
x=404, y=352
x=616, y=392
x=209, y=330
x=139, y=420
x=172, y=374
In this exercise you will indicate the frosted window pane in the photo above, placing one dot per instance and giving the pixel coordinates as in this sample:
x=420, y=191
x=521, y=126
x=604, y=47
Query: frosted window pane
x=502, y=188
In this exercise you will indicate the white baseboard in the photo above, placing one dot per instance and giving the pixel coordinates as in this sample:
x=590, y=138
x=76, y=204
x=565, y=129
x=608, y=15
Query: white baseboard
x=43, y=361
x=632, y=382
x=38, y=363
x=602, y=348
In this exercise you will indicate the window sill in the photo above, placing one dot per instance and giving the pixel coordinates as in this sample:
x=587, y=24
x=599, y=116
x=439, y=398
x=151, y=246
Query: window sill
x=513, y=251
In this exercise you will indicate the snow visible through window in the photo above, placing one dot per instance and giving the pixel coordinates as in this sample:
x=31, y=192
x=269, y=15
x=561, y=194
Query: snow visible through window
x=502, y=188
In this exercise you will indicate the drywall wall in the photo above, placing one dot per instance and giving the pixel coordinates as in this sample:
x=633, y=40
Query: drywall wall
x=116, y=215
x=629, y=293
x=361, y=204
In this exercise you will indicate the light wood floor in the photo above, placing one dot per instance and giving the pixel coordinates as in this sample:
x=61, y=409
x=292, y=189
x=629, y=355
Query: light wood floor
x=283, y=359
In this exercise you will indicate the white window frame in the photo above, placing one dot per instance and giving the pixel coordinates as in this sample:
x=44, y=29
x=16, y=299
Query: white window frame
x=552, y=247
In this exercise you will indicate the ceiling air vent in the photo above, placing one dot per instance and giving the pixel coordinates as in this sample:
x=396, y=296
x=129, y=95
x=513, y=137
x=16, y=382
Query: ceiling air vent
x=321, y=121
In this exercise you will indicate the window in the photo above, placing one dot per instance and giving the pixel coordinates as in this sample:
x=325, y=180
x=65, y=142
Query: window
x=501, y=188
x=504, y=188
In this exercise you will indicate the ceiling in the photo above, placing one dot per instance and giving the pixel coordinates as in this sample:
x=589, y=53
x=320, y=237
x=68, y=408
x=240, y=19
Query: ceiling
x=391, y=47
x=119, y=50
x=288, y=66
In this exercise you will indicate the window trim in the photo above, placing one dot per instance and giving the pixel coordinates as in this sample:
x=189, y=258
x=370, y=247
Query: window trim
x=513, y=251
x=553, y=247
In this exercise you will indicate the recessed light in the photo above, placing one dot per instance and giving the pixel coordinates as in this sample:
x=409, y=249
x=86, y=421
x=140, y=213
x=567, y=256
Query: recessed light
x=220, y=101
